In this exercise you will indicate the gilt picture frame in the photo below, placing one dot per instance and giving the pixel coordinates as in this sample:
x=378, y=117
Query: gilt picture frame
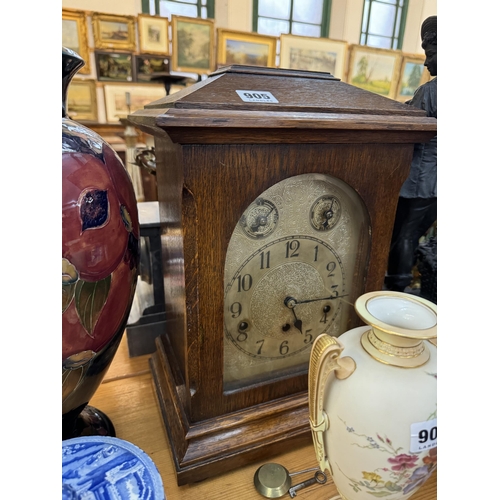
x=192, y=45
x=75, y=37
x=82, y=102
x=115, y=98
x=373, y=69
x=153, y=34
x=113, y=32
x=313, y=54
x=239, y=47
x=413, y=73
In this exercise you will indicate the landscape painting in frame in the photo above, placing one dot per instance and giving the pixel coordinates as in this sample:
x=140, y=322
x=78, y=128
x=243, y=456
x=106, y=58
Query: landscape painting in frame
x=236, y=47
x=74, y=35
x=114, y=66
x=82, y=103
x=153, y=34
x=113, y=32
x=413, y=74
x=313, y=54
x=375, y=70
x=149, y=66
x=115, y=97
x=192, y=44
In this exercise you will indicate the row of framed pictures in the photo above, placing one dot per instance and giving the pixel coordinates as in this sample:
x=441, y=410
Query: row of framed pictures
x=192, y=39
x=387, y=73
x=193, y=47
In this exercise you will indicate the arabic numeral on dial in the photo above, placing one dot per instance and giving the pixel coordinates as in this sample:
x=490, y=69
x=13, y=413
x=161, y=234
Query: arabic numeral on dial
x=335, y=293
x=242, y=336
x=330, y=267
x=326, y=310
x=265, y=259
x=244, y=283
x=284, y=348
x=308, y=338
x=316, y=248
x=235, y=309
x=292, y=248
x=261, y=342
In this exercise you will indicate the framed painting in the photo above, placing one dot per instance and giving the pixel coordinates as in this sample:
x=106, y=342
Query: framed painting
x=114, y=66
x=313, y=54
x=153, y=34
x=74, y=35
x=113, y=32
x=148, y=66
x=115, y=98
x=413, y=74
x=238, y=47
x=374, y=69
x=192, y=45
x=82, y=101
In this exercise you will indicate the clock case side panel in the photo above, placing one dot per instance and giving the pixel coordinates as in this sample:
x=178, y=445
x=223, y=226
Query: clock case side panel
x=174, y=202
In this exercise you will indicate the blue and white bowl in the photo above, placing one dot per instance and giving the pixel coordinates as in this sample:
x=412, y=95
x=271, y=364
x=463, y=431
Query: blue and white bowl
x=108, y=468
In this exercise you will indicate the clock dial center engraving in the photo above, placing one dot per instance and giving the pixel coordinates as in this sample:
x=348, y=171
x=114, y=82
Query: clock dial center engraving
x=269, y=310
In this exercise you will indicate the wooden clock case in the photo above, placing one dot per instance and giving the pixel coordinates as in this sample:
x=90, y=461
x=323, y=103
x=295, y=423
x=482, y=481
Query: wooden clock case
x=216, y=153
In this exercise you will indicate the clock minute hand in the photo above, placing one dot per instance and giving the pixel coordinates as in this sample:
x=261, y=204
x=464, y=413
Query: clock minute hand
x=322, y=298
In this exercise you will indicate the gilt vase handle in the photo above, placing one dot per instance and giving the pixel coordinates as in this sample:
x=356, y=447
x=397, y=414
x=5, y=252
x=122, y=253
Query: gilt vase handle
x=325, y=358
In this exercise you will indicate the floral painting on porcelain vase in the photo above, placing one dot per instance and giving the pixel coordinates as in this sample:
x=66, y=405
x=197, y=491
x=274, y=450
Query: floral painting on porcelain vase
x=401, y=474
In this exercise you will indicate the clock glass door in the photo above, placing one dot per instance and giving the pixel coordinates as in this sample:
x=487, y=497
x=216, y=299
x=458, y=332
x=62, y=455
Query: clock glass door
x=289, y=273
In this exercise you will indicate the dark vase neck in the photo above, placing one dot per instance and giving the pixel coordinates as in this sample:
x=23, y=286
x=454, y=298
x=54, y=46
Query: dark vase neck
x=71, y=63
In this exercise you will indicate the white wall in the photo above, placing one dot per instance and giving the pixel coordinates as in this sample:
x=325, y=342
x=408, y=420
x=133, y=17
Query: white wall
x=418, y=10
x=124, y=7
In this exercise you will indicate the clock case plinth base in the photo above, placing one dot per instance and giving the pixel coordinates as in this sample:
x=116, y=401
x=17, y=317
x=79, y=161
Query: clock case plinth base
x=211, y=447
x=215, y=155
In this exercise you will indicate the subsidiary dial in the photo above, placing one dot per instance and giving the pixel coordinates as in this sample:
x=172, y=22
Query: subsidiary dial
x=325, y=213
x=260, y=219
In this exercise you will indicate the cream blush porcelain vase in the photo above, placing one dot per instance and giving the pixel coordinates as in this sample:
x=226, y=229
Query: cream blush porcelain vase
x=373, y=399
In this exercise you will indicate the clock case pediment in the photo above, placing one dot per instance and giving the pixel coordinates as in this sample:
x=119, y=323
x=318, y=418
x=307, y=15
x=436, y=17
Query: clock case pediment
x=215, y=155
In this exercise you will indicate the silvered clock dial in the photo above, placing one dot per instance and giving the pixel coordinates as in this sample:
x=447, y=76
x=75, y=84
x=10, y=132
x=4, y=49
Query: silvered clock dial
x=288, y=274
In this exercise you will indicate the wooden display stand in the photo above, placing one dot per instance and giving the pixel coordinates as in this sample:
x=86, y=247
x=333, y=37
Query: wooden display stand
x=217, y=149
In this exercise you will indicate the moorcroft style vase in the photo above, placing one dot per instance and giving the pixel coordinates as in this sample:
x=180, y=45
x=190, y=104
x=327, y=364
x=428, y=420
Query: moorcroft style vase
x=372, y=399
x=100, y=252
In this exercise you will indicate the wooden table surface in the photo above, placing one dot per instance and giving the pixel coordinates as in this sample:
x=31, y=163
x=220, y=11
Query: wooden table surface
x=128, y=398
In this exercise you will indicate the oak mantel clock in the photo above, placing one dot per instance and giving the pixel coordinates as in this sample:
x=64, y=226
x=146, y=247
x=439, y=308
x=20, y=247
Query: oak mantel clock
x=277, y=192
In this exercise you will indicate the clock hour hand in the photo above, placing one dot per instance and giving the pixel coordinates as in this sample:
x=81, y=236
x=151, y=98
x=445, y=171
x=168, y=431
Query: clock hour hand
x=297, y=323
x=290, y=302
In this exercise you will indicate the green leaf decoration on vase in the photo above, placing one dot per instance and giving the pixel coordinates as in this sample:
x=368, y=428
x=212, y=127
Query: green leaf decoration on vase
x=68, y=291
x=90, y=298
x=69, y=279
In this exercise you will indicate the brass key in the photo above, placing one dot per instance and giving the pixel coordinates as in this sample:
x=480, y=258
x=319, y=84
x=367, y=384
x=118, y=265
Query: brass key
x=319, y=477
